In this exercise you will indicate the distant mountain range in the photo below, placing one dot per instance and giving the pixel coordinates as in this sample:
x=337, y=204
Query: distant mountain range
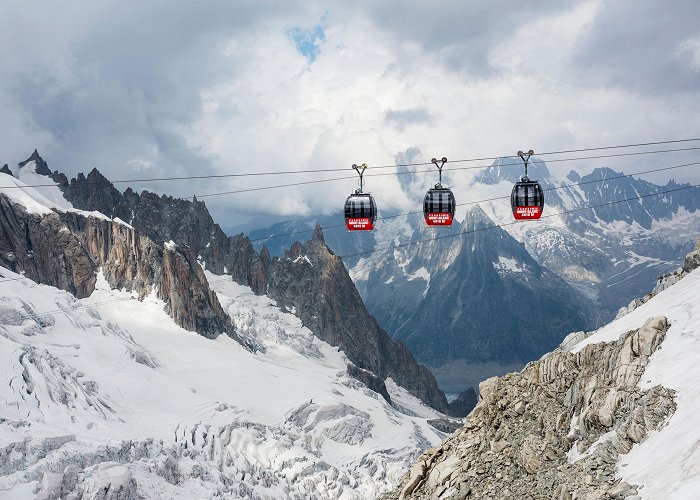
x=506, y=295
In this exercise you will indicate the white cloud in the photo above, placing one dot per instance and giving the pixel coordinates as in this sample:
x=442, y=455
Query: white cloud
x=152, y=89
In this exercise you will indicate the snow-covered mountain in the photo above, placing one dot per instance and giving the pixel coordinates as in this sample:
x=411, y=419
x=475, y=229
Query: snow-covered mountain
x=125, y=387
x=164, y=243
x=609, y=414
x=478, y=296
x=612, y=252
x=429, y=293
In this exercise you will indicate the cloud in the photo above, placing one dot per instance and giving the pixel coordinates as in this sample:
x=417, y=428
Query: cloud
x=150, y=89
x=458, y=34
x=400, y=118
x=648, y=47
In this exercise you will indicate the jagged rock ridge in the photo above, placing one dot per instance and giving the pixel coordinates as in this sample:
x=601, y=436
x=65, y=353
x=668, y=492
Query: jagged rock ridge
x=606, y=256
x=514, y=444
x=313, y=281
x=66, y=250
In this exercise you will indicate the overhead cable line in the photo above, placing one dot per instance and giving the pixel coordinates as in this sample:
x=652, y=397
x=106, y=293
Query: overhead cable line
x=332, y=179
x=476, y=167
x=565, y=186
x=314, y=171
x=273, y=236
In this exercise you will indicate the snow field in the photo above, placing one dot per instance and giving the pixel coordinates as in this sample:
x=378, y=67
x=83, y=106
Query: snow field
x=286, y=419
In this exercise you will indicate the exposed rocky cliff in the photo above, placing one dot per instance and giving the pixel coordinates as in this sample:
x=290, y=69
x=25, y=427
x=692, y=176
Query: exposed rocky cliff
x=67, y=249
x=555, y=430
x=39, y=247
x=165, y=218
x=313, y=281
x=463, y=403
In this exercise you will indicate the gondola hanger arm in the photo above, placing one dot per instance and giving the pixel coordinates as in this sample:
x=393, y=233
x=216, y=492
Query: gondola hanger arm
x=439, y=164
x=526, y=158
x=361, y=171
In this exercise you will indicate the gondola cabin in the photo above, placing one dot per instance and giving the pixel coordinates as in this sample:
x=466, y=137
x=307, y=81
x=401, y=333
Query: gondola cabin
x=439, y=207
x=360, y=212
x=527, y=200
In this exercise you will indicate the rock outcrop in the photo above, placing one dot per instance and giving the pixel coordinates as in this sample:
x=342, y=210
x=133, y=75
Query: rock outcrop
x=42, y=167
x=66, y=250
x=555, y=430
x=313, y=281
x=165, y=218
x=44, y=250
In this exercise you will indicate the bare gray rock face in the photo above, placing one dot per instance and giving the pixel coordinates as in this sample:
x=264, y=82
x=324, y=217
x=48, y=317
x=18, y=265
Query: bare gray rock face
x=464, y=403
x=43, y=250
x=41, y=168
x=554, y=430
x=66, y=250
x=311, y=280
x=164, y=218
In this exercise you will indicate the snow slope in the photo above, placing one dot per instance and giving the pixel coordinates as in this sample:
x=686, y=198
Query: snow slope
x=667, y=463
x=122, y=392
x=42, y=199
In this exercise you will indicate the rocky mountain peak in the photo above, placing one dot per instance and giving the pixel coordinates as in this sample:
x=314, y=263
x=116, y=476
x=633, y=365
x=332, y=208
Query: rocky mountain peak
x=476, y=218
x=512, y=169
x=313, y=281
x=573, y=176
x=6, y=170
x=296, y=250
x=404, y=172
x=602, y=173
x=94, y=192
x=309, y=279
x=67, y=250
x=318, y=234
x=42, y=167
x=96, y=176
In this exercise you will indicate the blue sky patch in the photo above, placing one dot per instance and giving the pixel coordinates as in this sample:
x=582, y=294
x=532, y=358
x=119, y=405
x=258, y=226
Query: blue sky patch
x=307, y=41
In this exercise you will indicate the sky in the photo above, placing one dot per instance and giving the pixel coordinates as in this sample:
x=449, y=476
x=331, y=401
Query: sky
x=164, y=88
